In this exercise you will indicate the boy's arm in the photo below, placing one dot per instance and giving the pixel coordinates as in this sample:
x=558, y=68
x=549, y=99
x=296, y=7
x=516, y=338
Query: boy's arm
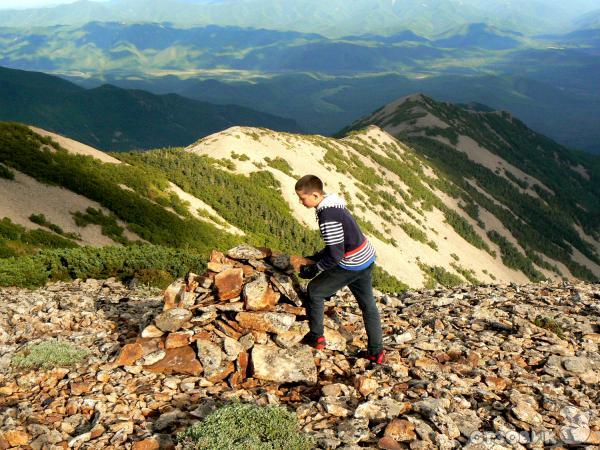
x=333, y=235
x=317, y=256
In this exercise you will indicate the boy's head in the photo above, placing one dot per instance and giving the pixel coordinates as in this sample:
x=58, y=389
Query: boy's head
x=309, y=189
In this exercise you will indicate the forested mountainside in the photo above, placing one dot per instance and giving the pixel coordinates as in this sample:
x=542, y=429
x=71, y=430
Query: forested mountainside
x=447, y=195
x=118, y=119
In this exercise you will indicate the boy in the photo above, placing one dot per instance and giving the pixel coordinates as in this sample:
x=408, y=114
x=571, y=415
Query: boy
x=346, y=260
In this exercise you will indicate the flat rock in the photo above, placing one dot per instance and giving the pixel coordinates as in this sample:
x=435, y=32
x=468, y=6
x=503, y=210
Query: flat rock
x=269, y=322
x=401, y=430
x=172, y=319
x=245, y=252
x=229, y=283
x=258, y=295
x=130, y=353
x=386, y=408
x=178, y=360
x=210, y=356
x=178, y=339
x=272, y=363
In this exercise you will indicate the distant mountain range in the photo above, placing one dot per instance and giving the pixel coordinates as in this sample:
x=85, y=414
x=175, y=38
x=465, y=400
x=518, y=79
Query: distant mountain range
x=332, y=18
x=591, y=20
x=550, y=81
x=103, y=48
x=119, y=119
x=448, y=195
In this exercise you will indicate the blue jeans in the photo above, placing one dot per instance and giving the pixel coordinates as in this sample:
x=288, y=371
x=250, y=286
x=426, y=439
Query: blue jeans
x=327, y=283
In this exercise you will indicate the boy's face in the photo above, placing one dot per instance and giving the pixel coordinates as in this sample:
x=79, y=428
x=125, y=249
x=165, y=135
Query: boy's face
x=310, y=200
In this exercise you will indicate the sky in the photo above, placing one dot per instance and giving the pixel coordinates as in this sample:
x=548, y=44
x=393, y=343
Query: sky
x=23, y=4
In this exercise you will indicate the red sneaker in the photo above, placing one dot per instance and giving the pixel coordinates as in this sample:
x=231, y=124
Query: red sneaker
x=317, y=343
x=375, y=358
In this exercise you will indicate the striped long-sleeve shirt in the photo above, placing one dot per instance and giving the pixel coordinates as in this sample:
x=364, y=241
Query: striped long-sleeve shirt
x=345, y=244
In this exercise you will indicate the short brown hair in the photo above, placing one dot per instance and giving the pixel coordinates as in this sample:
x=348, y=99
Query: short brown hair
x=309, y=184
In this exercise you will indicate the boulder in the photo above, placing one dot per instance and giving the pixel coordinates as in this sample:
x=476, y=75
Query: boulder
x=178, y=360
x=245, y=252
x=258, y=295
x=229, y=283
x=269, y=322
x=172, y=319
x=272, y=363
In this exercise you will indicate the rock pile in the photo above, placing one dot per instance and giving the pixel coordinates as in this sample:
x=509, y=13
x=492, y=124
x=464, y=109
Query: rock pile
x=243, y=309
x=476, y=367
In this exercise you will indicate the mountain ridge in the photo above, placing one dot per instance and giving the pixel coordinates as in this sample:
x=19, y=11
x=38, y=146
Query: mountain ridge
x=116, y=118
x=334, y=18
x=430, y=221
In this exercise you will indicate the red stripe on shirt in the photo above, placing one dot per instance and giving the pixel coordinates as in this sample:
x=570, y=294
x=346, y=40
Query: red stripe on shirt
x=357, y=249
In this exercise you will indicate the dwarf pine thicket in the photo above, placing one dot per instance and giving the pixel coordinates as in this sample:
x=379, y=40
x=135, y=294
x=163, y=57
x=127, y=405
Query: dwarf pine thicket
x=176, y=242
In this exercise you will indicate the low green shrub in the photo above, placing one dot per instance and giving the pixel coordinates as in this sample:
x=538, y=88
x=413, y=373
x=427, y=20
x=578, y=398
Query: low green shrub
x=239, y=426
x=6, y=173
x=108, y=223
x=147, y=262
x=154, y=277
x=436, y=275
x=550, y=324
x=49, y=354
x=468, y=274
x=40, y=219
x=513, y=258
x=280, y=164
x=385, y=282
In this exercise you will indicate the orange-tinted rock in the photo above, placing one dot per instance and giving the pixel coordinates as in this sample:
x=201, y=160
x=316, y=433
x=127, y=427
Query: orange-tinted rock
x=400, y=430
x=172, y=295
x=130, y=353
x=217, y=267
x=81, y=388
x=269, y=322
x=16, y=438
x=178, y=360
x=242, y=364
x=427, y=364
x=217, y=256
x=97, y=431
x=236, y=380
x=222, y=373
x=248, y=270
x=179, y=339
x=496, y=383
x=146, y=444
x=387, y=443
x=473, y=359
x=594, y=337
x=366, y=385
x=442, y=357
x=150, y=345
x=229, y=283
x=258, y=295
x=520, y=361
x=291, y=309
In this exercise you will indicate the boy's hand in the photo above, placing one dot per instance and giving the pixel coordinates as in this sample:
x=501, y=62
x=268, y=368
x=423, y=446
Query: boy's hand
x=308, y=271
x=298, y=261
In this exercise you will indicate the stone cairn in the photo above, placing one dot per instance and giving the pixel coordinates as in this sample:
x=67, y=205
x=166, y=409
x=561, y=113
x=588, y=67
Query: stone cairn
x=243, y=309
